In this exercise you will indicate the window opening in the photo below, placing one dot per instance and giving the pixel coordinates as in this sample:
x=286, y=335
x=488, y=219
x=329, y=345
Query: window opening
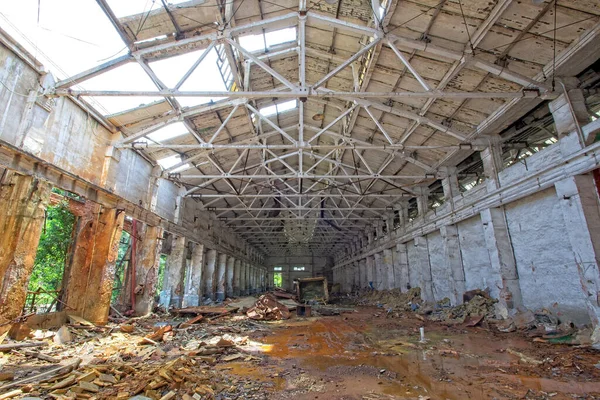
x=278, y=279
x=52, y=256
x=299, y=268
x=277, y=268
x=262, y=42
x=123, y=257
x=161, y=273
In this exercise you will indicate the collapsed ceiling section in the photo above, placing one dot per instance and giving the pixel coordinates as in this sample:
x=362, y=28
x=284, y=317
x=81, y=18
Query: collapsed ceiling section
x=298, y=123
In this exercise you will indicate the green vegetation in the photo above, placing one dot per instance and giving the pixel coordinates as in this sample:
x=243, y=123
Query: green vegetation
x=278, y=279
x=53, y=249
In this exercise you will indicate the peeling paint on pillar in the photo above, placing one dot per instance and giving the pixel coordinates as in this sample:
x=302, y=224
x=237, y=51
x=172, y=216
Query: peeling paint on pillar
x=229, y=274
x=209, y=275
x=388, y=265
x=193, y=284
x=147, y=265
x=23, y=200
x=173, y=285
x=401, y=267
x=92, y=271
x=221, y=269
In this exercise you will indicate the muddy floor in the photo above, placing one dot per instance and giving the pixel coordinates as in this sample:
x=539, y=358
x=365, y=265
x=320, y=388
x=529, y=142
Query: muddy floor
x=364, y=354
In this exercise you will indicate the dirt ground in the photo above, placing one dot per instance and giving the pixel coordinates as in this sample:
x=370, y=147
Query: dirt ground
x=363, y=354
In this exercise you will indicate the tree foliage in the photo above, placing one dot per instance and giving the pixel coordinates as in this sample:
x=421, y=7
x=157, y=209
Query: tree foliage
x=53, y=249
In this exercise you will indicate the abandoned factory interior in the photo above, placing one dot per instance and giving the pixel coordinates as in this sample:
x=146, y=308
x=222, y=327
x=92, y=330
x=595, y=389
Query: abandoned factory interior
x=300, y=199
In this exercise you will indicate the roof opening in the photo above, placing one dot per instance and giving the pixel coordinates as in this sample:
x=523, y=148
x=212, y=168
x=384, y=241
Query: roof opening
x=262, y=42
x=170, y=161
x=168, y=132
x=278, y=108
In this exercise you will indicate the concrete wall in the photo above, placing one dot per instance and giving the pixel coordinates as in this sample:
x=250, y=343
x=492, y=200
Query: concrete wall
x=545, y=259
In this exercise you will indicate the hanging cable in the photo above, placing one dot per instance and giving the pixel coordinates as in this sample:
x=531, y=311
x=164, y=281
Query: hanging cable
x=466, y=27
x=554, y=48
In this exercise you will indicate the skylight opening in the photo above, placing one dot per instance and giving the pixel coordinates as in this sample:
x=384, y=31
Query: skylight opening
x=278, y=108
x=262, y=42
x=168, y=132
x=170, y=161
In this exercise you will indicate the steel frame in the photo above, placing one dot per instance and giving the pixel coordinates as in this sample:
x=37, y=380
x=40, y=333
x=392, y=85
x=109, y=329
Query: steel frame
x=300, y=189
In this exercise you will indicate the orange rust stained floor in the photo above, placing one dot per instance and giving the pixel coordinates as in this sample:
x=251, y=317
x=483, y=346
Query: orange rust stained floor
x=364, y=355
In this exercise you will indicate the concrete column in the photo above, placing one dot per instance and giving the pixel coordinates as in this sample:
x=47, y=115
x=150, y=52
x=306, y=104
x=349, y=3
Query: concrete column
x=424, y=266
x=581, y=211
x=173, y=285
x=566, y=115
x=229, y=275
x=193, y=285
x=370, y=234
x=92, y=272
x=146, y=268
x=402, y=210
x=422, y=199
x=210, y=287
x=23, y=200
x=388, y=266
x=389, y=223
x=450, y=184
x=371, y=272
x=220, y=276
x=502, y=258
x=453, y=262
x=491, y=157
x=401, y=267
x=378, y=275
x=243, y=279
x=364, y=280
x=356, y=276
x=237, y=270
x=379, y=229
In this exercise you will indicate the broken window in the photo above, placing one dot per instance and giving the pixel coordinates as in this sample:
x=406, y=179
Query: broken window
x=277, y=268
x=52, y=257
x=299, y=268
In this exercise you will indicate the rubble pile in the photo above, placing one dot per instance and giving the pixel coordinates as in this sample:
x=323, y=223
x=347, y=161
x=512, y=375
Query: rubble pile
x=391, y=299
x=145, y=358
x=267, y=308
x=479, y=307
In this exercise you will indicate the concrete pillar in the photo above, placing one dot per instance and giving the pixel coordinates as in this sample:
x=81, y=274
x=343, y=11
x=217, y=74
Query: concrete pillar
x=424, y=266
x=453, y=262
x=422, y=199
x=364, y=280
x=229, y=275
x=388, y=269
x=220, y=276
x=379, y=229
x=243, y=278
x=193, y=285
x=146, y=268
x=402, y=210
x=378, y=275
x=401, y=267
x=491, y=157
x=210, y=286
x=389, y=223
x=581, y=211
x=23, y=201
x=92, y=272
x=173, y=285
x=450, y=184
x=370, y=234
x=237, y=270
x=371, y=272
x=566, y=115
x=502, y=258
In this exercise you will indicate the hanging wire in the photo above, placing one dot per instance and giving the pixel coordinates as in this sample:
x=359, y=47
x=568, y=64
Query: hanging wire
x=466, y=27
x=554, y=48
